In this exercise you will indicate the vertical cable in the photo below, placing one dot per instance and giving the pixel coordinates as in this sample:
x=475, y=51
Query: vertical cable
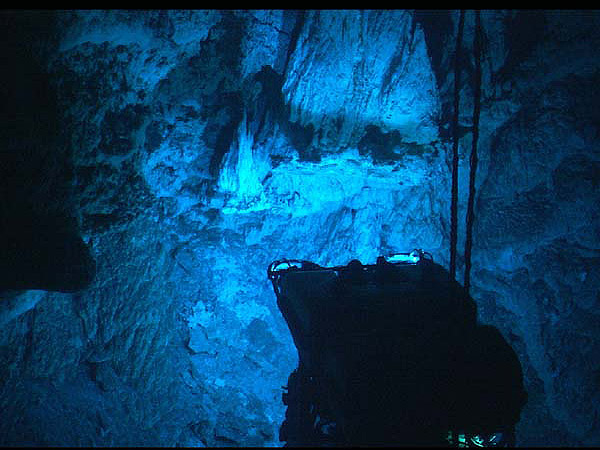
x=473, y=161
x=454, y=201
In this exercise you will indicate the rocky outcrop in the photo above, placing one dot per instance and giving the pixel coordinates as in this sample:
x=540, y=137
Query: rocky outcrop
x=199, y=146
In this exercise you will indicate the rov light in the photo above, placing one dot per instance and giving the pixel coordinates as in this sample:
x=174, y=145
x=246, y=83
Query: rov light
x=407, y=258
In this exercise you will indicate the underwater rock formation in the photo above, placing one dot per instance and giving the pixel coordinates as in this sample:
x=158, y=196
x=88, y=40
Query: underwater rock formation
x=193, y=148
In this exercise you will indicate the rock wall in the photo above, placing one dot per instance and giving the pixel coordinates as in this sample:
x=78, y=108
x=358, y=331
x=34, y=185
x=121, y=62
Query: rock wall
x=202, y=145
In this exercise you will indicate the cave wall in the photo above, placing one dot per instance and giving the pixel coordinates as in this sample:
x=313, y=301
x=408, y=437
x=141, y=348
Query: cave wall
x=195, y=147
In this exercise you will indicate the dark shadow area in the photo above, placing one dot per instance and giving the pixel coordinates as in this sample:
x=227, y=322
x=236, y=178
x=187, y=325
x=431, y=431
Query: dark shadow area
x=379, y=145
x=391, y=354
x=524, y=31
x=43, y=251
x=40, y=246
x=268, y=108
x=438, y=28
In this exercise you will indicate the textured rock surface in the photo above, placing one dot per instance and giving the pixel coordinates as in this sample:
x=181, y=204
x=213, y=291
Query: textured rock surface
x=202, y=145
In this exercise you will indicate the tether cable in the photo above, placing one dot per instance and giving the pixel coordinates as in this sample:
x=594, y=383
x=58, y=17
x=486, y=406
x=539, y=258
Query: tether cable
x=454, y=201
x=473, y=160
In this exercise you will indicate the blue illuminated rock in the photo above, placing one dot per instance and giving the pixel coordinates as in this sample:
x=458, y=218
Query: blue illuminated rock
x=203, y=145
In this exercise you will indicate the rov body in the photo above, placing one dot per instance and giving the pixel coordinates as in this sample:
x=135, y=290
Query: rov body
x=392, y=354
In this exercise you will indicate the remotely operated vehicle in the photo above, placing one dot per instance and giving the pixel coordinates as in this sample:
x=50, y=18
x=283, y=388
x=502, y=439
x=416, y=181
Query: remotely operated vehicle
x=391, y=354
